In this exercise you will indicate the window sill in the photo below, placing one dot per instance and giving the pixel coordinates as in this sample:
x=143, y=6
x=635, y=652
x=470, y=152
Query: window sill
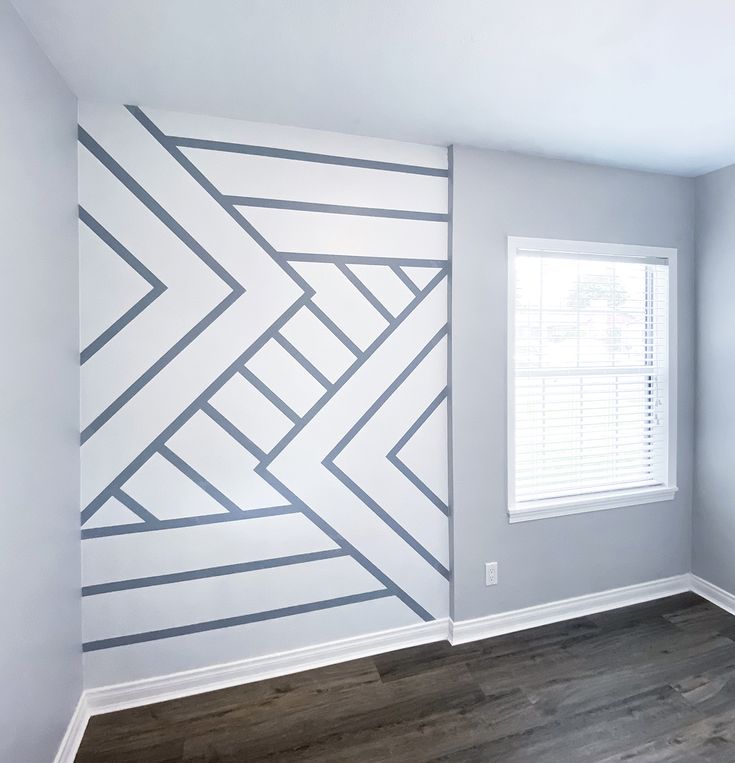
x=561, y=507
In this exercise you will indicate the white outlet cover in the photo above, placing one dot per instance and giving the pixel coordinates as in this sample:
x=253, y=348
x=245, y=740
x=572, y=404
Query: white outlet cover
x=491, y=573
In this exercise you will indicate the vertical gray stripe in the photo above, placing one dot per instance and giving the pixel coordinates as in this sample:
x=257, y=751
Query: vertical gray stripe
x=450, y=420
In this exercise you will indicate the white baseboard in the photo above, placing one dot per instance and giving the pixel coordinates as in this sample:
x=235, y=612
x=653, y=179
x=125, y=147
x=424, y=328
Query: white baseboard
x=564, y=609
x=718, y=596
x=74, y=732
x=146, y=691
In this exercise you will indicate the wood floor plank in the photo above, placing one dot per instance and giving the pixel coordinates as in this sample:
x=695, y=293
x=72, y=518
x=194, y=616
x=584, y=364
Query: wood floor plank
x=589, y=736
x=710, y=740
x=650, y=683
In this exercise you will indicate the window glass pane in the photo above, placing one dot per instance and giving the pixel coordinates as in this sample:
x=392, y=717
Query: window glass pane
x=590, y=360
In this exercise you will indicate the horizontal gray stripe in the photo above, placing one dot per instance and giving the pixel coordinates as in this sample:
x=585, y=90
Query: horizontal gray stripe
x=212, y=572
x=229, y=622
x=335, y=209
x=360, y=259
x=171, y=524
x=305, y=156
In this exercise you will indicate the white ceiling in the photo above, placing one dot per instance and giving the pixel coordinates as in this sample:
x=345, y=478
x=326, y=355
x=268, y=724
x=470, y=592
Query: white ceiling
x=636, y=83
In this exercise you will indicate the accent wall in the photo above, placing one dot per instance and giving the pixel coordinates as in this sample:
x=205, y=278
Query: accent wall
x=263, y=388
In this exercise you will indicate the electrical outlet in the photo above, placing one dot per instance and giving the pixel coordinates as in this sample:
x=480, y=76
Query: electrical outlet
x=491, y=573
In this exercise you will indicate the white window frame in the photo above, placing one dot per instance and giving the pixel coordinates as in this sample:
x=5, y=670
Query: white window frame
x=557, y=507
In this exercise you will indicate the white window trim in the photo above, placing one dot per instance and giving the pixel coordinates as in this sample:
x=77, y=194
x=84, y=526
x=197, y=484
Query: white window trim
x=558, y=507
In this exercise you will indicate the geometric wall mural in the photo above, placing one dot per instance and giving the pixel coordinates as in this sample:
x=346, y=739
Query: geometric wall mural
x=263, y=388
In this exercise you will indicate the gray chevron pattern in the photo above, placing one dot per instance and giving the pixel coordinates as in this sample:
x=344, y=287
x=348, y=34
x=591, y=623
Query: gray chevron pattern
x=264, y=332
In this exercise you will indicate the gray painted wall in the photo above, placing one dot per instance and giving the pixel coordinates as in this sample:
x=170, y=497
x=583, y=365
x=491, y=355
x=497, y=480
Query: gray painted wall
x=714, y=519
x=499, y=194
x=40, y=651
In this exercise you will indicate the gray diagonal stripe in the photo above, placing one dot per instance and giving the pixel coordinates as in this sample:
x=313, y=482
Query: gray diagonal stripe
x=369, y=296
x=130, y=503
x=410, y=475
x=190, y=410
x=199, y=480
x=157, y=286
x=237, y=290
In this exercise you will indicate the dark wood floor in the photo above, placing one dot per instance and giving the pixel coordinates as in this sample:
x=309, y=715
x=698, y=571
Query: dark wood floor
x=654, y=682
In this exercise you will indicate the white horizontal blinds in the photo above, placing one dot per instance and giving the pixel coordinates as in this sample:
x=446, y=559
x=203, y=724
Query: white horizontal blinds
x=591, y=347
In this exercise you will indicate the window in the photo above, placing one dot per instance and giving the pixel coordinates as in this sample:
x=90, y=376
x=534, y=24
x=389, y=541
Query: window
x=591, y=387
